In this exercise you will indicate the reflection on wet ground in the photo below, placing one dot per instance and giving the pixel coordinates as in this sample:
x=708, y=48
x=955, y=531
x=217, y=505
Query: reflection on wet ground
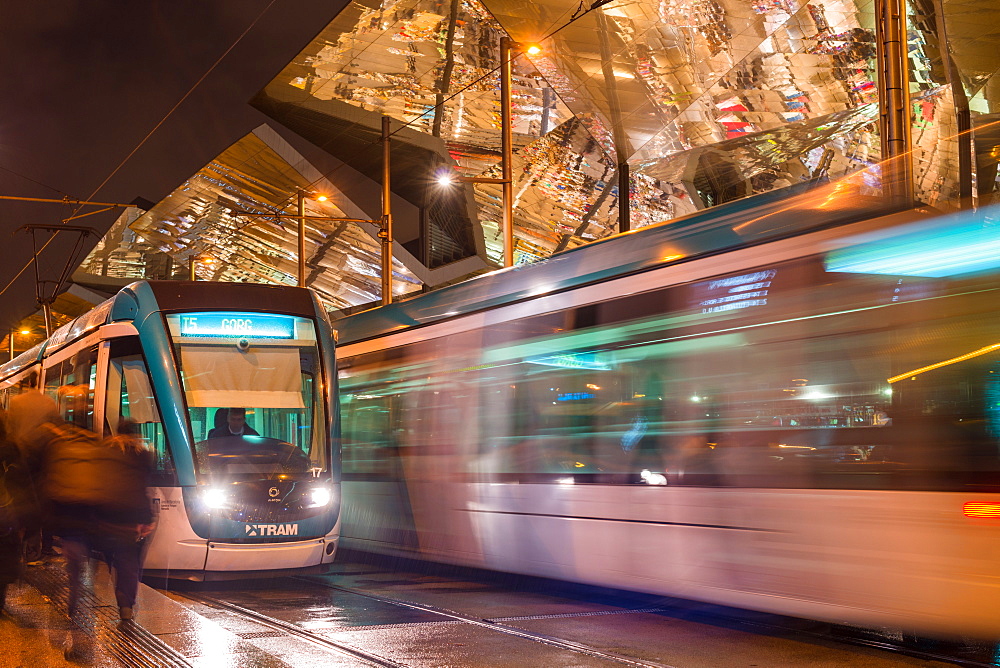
x=398, y=613
x=417, y=615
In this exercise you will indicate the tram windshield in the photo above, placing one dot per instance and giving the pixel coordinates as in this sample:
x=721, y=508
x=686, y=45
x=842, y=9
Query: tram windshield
x=253, y=384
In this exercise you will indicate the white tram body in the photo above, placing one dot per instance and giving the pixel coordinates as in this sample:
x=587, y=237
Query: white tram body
x=806, y=424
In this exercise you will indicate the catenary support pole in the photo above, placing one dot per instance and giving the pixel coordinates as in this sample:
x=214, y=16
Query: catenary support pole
x=506, y=149
x=385, y=233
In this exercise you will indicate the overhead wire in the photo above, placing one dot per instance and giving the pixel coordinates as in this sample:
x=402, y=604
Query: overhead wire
x=36, y=182
x=326, y=176
x=444, y=101
x=143, y=141
x=574, y=17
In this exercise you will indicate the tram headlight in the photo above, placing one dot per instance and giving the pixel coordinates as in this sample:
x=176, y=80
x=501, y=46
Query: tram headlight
x=319, y=497
x=214, y=498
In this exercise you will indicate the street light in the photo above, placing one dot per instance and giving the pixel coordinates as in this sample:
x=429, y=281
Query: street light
x=384, y=224
x=193, y=262
x=300, y=197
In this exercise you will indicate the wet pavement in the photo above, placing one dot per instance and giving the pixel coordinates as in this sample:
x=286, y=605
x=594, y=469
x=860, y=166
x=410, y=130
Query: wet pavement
x=34, y=633
x=381, y=613
x=453, y=618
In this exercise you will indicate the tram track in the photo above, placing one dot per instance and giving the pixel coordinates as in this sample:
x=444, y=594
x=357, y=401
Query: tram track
x=496, y=625
x=448, y=617
x=499, y=624
x=506, y=625
x=284, y=628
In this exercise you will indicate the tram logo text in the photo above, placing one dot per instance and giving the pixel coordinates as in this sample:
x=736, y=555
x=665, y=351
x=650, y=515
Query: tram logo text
x=272, y=529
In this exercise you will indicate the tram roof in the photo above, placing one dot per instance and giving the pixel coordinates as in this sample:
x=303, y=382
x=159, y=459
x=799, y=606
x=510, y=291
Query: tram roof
x=169, y=295
x=763, y=217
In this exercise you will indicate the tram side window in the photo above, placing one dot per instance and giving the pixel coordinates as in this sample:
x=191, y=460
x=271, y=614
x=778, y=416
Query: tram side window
x=54, y=379
x=27, y=383
x=369, y=435
x=71, y=385
x=130, y=397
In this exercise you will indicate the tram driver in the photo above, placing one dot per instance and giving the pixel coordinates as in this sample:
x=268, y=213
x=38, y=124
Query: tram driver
x=235, y=424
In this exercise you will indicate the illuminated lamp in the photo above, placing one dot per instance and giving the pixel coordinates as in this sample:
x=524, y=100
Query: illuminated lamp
x=214, y=498
x=320, y=497
x=982, y=509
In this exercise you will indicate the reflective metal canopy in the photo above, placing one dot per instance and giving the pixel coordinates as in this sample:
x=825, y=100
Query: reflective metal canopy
x=692, y=103
x=235, y=220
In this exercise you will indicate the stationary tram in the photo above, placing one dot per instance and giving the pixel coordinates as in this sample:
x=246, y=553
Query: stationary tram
x=782, y=404
x=233, y=386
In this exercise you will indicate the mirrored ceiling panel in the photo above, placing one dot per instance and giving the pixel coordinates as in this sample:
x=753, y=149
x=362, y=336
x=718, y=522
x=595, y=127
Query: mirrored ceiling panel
x=701, y=101
x=235, y=221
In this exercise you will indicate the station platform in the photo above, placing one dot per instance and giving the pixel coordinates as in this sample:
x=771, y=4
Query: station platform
x=36, y=630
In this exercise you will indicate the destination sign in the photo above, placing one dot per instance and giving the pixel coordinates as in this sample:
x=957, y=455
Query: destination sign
x=735, y=292
x=228, y=324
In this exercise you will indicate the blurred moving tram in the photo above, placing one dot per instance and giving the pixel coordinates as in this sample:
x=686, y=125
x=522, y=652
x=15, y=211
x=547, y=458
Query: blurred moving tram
x=233, y=386
x=792, y=406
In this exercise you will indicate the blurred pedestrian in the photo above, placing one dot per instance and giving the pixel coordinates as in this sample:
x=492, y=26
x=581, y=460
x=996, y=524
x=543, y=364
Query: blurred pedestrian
x=94, y=493
x=67, y=475
x=27, y=412
x=18, y=509
x=124, y=526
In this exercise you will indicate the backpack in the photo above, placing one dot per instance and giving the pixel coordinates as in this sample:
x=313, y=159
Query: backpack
x=80, y=469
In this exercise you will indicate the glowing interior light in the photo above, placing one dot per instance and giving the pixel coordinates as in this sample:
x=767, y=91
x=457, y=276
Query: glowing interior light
x=938, y=365
x=320, y=497
x=956, y=244
x=26, y=331
x=533, y=50
x=213, y=497
x=815, y=395
x=566, y=481
x=321, y=198
x=651, y=478
x=887, y=392
x=696, y=399
x=981, y=509
x=445, y=179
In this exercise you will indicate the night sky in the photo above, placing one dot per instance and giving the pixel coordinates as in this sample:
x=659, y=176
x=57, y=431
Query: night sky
x=84, y=82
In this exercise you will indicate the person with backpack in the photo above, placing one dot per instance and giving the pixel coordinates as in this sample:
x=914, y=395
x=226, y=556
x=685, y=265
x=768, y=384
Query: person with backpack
x=94, y=493
x=124, y=526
